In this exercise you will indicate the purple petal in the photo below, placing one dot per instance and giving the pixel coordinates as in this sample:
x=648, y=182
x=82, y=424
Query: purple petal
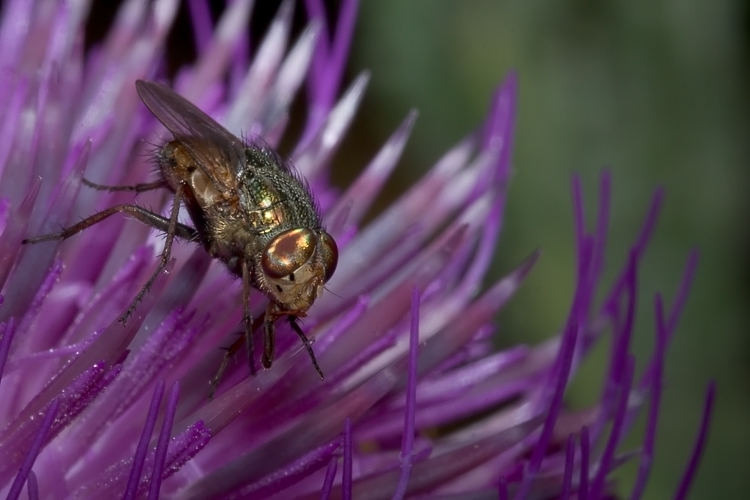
x=325, y=492
x=200, y=20
x=570, y=453
x=40, y=439
x=583, y=482
x=407, y=444
x=8, y=330
x=163, y=442
x=647, y=453
x=140, y=453
x=32, y=486
x=695, y=457
x=346, y=471
x=606, y=462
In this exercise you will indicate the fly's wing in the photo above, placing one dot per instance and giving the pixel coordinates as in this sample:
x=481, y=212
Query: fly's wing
x=218, y=152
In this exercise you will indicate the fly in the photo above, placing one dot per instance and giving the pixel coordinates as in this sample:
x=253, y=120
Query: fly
x=248, y=209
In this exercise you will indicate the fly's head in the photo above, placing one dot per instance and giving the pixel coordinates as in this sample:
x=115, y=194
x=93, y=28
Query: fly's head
x=295, y=265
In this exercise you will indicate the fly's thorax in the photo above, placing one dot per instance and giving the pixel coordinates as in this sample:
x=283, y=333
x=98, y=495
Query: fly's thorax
x=272, y=197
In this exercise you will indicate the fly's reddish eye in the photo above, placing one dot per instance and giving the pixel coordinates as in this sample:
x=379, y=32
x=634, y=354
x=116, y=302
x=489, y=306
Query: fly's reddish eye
x=329, y=253
x=288, y=252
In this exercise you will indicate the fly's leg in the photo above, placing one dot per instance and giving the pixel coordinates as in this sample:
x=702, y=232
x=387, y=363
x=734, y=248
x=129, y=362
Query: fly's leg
x=233, y=349
x=247, y=316
x=165, y=254
x=170, y=226
x=145, y=216
x=269, y=338
x=228, y=353
x=307, y=344
x=268, y=346
x=138, y=188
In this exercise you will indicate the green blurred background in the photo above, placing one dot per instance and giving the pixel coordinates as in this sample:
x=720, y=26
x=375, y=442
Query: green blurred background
x=655, y=91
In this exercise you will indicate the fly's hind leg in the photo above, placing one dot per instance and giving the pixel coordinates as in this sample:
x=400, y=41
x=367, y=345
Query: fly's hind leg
x=145, y=216
x=137, y=188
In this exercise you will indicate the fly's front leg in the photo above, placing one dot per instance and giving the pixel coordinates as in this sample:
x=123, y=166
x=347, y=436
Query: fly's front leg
x=307, y=343
x=247, y=316
x=269, y=336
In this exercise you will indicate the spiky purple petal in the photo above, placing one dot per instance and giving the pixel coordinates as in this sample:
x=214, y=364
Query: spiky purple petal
x=647, y=452
x=274, y=434
x=36, y=446
x=583, y=482
x=325, y=491
x=570, y=453
x=162, y=443
x=140, y=453
x=6, y=337
x=407, y=443
x=689, y=475
x=346, y=470
x=32, y=486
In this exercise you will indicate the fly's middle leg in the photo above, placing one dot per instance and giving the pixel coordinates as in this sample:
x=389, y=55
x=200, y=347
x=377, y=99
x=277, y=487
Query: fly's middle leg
x=170, y=231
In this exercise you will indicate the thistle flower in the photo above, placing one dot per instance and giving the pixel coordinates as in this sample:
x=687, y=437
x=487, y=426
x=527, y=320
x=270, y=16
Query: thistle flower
x=403, y=334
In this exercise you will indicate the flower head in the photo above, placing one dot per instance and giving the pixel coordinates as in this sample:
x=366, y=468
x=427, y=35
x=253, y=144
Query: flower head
x=403, y=333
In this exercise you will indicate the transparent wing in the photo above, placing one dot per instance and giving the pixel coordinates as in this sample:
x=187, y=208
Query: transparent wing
x=218, y=152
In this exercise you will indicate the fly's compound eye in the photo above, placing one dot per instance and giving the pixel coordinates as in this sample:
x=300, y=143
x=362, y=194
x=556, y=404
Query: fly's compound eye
x=288, y=252
x=329, y=254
